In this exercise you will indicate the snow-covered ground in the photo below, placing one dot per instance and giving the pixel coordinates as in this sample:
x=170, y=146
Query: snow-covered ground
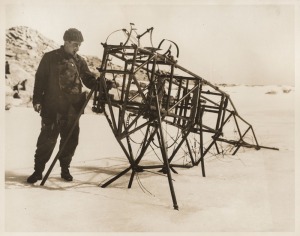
x=253, y=191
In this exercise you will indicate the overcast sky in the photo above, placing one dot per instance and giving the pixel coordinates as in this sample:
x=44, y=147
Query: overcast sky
x=229, y=43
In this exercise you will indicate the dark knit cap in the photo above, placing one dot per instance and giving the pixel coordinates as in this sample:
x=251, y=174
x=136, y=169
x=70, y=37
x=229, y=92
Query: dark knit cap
x=73, y=34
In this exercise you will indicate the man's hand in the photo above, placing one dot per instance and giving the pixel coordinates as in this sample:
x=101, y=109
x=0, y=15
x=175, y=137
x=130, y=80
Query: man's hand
x=37, y=107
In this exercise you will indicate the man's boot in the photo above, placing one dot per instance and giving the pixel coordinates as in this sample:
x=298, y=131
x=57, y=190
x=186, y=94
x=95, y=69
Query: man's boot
x=34, y=177
x=65, y=174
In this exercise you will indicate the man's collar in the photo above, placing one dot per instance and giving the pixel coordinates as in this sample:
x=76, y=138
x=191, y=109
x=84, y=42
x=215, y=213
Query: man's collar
x=67, y=55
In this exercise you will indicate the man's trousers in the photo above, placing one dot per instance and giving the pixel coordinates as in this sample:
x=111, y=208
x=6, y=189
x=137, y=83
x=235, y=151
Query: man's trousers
x=47, y=139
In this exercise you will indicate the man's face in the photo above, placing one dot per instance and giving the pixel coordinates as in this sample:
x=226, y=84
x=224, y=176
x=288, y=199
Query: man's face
x=72, y=47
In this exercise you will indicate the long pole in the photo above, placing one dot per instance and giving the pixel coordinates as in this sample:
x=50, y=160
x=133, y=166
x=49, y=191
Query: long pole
x=67, y=139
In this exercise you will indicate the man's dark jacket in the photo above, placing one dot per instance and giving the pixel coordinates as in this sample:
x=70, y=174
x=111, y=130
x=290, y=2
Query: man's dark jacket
x=47, y=89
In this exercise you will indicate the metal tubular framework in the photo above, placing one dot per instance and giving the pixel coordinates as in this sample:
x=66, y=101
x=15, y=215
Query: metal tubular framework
x=169, y=110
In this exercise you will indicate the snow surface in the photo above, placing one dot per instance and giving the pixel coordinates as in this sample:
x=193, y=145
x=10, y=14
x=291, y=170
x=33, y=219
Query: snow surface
x=253, y=191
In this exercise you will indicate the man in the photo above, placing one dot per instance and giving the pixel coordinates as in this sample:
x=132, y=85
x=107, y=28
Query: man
x=7, y=69
x=58, y=96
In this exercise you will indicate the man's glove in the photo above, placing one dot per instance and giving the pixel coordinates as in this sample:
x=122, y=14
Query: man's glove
x=37, y=107
x=109, y=84
x=96, y=83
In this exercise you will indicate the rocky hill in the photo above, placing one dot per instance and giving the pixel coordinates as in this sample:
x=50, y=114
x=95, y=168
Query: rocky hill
x=24, y=50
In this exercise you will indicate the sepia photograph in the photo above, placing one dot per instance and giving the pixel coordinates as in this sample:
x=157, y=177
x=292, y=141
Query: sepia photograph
x=149, y=117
